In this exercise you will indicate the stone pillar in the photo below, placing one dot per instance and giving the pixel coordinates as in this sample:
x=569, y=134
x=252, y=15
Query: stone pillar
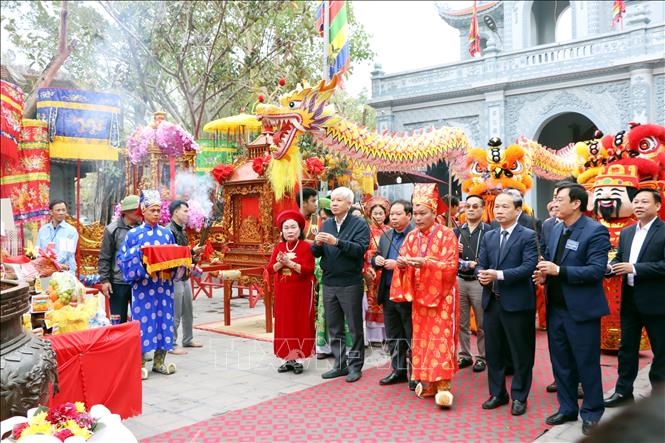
x=642, y=94
x=495, y=114
x=376, y=73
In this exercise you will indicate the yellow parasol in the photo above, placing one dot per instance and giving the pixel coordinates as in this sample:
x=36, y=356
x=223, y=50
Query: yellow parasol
x=234, y=122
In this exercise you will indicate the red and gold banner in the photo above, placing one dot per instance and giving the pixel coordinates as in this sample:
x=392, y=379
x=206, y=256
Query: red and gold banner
x=26, y=182
x=162, y=257
x=11, y=108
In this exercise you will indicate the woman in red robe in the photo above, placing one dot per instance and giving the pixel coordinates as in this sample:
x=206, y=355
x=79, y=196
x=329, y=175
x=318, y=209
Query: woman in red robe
x=292, y=265
x=426, y=275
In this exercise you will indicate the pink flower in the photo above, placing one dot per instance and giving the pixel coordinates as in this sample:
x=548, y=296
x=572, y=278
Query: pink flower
x=196, y=215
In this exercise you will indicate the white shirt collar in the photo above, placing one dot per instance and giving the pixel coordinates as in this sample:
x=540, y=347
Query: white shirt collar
x=647, y=226
x=510, y=228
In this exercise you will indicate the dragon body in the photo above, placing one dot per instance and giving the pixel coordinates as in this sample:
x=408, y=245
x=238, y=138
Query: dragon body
x=307, y=110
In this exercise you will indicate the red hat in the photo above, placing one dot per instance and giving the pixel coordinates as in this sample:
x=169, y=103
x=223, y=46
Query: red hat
x=291, y=214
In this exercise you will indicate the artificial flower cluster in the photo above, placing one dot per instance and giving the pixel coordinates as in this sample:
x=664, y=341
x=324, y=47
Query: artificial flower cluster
x=260, y=164
x=222, y=173
x=64, y=421
x=170, y=138
x=314, y=166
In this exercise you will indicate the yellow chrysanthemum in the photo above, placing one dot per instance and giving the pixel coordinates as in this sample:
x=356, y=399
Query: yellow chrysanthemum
x=37, y=428
x=77, y=430
x=39, y=418
x=80, y=406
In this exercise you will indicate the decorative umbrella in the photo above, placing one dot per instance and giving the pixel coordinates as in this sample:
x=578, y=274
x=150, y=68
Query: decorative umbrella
x=239, y=125
x=240, y=121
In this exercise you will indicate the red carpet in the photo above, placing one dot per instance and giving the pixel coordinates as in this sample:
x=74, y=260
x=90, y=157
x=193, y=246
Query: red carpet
x=337, y=411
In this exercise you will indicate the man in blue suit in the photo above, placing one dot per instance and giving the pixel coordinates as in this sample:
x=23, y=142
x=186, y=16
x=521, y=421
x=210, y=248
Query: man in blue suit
x=641, y=259
x=507, y=259
x=573, y=269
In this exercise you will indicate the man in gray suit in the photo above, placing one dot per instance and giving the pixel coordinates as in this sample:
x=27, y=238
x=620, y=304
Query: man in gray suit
x=397, y=316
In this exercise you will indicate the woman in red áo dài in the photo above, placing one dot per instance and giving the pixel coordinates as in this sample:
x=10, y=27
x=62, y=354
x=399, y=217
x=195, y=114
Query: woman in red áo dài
x=292, y=265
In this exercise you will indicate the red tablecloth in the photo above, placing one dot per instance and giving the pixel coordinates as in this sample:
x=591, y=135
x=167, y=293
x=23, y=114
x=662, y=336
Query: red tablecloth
x=101, y=366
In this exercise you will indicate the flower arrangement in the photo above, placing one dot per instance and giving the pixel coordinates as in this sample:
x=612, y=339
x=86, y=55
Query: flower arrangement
x=222, y=173
x=170, y=138
x=260, y=164
x=64, y=421
x=314, y=166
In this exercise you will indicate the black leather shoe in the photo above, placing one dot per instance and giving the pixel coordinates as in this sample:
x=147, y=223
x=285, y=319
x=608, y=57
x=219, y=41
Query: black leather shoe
x=495, y=402
x=412, y=385
x=298, y=368
x=559, y=419
x=518, y=408
x=617, y=399
x=353, y=376
x=393, y=378
x=288, y=366
x=322, y=355
x=587, y=426
x=479, y=366
x=551, y=387
x=334, y=373
x=463, y=362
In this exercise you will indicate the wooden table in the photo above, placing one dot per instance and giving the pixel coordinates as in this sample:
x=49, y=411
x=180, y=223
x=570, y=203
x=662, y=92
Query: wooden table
x=251, y=278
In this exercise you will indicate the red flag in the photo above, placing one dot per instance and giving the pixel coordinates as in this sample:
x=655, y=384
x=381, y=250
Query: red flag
x=474, y=38
x=618, y=11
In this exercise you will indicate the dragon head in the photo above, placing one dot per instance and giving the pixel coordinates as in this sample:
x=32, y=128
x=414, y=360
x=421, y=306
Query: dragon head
x=497, y=168
x=304, y=109
x=591, y=158
x=647, y=142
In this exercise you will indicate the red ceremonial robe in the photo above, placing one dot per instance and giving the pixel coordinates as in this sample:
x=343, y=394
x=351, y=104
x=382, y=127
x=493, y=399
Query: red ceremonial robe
x=433, y=290
x=294, y=303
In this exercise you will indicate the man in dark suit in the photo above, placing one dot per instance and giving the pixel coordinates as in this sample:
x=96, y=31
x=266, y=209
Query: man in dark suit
x=573, y=269
x=508, y=258
x=641, y=260
x=396, y=315
x=341, y=244
x=545, y=234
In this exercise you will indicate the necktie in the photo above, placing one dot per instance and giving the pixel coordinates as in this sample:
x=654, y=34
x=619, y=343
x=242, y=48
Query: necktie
x=565, y=235
x=502, y=242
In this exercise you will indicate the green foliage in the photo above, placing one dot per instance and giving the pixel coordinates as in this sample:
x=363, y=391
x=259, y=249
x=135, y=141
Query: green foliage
x=197, y=60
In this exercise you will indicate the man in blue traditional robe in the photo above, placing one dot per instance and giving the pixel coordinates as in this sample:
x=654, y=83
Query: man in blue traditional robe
x=152, y=295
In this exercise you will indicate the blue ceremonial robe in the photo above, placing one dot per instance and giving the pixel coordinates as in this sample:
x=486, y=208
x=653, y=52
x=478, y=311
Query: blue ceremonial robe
x=152, y=296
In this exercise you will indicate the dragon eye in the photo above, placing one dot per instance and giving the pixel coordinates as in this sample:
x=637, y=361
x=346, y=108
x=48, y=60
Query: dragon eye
x=477, y=168
x=648, y=145
x=294, y=104
x=517, y=167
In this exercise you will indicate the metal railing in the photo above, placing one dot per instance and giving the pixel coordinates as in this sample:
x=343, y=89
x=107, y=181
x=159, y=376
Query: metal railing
x=540, y=61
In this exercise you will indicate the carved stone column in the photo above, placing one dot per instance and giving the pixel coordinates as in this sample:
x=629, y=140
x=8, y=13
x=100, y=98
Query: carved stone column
x=641, y=94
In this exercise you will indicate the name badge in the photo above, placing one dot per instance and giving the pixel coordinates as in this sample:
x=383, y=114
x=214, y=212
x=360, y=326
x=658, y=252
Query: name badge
x=572, y=245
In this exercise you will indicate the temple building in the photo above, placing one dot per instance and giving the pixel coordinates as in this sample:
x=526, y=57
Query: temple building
x=553, y=71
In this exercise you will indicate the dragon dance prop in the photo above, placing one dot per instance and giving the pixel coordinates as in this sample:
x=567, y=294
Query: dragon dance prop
x=306, y=109
x=491, y=170
x=82, y=124
x=612, y=167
